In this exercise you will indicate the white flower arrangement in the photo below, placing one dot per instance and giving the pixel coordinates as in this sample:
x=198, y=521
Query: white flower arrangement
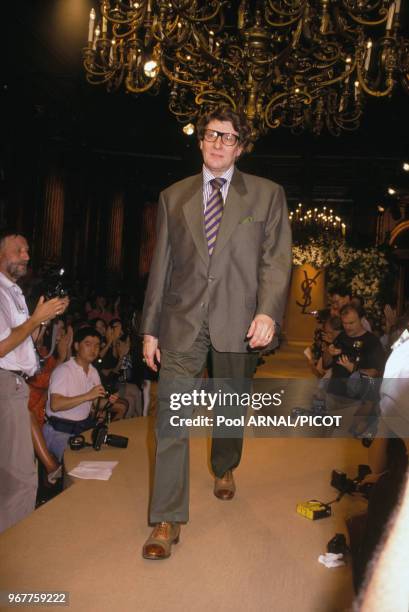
x=364, y=270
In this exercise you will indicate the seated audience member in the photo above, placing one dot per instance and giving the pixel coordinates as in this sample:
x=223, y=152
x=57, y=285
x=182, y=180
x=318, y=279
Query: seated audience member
x=54, y=346
x=338, y=297
x=99, y=309
x=74, y=388
x=392, y=327
x=108, y=360
x=359, y=302
x=130, y=376
x=52, y=357
x=355, y=356
x=101, y=327
x=331, y=328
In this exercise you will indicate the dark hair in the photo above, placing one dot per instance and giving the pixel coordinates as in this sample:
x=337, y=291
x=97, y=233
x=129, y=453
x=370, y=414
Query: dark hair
x=352, y=308
x=93, y=322
x=340, y=290
x=358, y=300
x=6, y=232
x=113, y=321
x=335, y=322
x=226, y=113
x=83, y=332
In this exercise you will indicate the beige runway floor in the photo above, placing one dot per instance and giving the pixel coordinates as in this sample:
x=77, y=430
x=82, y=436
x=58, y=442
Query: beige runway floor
x=252, y=553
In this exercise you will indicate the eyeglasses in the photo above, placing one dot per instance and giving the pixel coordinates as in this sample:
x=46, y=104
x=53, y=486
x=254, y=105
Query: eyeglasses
x=227, y=139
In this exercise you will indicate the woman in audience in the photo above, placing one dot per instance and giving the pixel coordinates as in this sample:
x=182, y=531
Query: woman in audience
x=99, y=309
x=54, y=347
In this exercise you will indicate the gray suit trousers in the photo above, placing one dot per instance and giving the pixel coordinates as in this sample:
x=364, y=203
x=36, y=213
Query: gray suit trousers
x=170, y=499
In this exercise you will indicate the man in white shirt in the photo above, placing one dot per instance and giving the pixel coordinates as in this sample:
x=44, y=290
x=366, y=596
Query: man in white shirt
x=18, y=361
x=74, y=385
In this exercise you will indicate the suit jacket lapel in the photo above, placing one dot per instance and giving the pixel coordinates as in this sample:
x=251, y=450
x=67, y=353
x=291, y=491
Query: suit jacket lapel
x=193, y=211
x=234, y=210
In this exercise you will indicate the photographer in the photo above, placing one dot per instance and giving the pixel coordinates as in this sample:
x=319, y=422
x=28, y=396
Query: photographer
x=18, y=361
x=355, y=356
x=75, y=387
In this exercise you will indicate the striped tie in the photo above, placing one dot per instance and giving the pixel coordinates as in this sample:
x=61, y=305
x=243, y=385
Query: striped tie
x=213, y=213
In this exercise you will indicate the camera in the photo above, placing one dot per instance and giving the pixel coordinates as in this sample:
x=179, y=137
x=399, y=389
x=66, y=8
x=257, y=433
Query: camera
x=100, y=433
x=338, y=544
x=318, y=408
x=353, y=353
x=101, y=436
x=343, y=484
x=54, y=285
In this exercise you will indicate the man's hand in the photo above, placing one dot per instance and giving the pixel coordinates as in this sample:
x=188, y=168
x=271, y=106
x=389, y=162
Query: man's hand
x=346, y=363
x=46, y=310
x=95, y=393
x=390, y=317
x=261, y=331
x=151, y=351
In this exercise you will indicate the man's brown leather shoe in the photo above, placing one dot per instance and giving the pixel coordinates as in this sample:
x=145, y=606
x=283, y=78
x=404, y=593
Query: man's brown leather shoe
x=159, y=544
x=224, y=488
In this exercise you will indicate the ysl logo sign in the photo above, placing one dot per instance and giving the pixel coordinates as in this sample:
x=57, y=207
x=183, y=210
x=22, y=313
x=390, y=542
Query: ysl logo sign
x=306, y=288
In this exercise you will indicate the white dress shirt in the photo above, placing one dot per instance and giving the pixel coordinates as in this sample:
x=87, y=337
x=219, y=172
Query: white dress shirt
x=14, y=312
x=208, y=189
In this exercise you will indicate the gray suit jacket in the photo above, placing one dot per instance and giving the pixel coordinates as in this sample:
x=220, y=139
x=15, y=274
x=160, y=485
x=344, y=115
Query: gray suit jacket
x=247, y=274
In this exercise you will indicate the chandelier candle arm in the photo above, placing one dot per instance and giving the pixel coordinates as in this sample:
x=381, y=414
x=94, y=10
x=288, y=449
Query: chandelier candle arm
x=299, y=64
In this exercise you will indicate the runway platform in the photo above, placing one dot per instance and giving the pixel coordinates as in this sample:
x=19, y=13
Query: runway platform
x=251, y=553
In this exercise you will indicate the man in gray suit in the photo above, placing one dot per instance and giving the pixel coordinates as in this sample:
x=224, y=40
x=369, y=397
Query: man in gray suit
x=218, y=283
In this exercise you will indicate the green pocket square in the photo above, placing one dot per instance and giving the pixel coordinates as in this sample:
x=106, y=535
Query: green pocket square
x=246, y=220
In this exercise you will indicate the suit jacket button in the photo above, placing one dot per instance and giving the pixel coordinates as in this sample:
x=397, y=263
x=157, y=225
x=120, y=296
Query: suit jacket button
x=202, y=305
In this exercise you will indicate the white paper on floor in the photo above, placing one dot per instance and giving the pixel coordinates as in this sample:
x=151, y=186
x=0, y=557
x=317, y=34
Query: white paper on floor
x=94, y=470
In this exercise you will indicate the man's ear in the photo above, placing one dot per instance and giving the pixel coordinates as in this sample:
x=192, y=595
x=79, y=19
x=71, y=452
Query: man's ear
x=76, y=346
x=201, y=145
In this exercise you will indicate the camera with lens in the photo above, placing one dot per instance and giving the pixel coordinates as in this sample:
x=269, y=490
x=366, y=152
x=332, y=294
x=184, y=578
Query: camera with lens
x=54, y=284
x=353, y=353
x=343, y=484
x=99, y=434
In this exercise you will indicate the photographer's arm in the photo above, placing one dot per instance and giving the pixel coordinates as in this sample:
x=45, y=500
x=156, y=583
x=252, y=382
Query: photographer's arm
x=59, y=403
x=43, y=312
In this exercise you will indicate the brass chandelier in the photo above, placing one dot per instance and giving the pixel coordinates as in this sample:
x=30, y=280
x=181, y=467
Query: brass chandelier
x=300, y=64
